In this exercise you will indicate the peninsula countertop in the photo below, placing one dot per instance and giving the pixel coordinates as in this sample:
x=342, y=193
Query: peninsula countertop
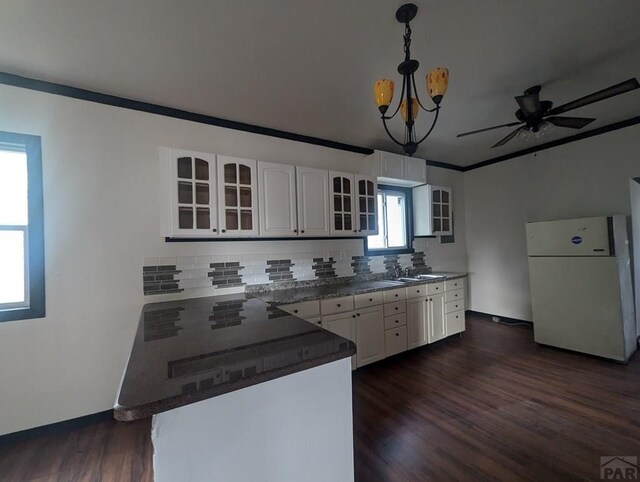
x=190, y=350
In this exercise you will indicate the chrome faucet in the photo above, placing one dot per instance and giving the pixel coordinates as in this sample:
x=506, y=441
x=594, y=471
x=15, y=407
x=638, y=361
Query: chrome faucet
x=399, y=271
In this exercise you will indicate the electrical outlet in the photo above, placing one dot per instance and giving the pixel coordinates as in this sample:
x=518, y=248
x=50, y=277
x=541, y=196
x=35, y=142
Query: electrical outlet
x=496, y=319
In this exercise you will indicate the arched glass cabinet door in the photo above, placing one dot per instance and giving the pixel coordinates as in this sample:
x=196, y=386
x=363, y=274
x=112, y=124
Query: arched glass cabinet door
x=237, y=194
x=193, y=193
x=441, y=210
x=342, y=195
x=366, y=205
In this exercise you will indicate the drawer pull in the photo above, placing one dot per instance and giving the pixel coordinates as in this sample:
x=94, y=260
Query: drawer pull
x=339, y=305
x=295, y=311
x=397, y=321
x=396, y=295
x=396, y=308
x=397, y=334
x=353, y=316
x=358, y=314
x=437, y=288
x=370, y=299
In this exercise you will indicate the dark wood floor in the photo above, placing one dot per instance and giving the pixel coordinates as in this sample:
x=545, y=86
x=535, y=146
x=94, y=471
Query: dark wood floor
x=489, y=405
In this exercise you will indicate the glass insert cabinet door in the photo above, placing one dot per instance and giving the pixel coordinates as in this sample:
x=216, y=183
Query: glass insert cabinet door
x=366, y=193
x=441, y=210
x=193, y=188
x=342, y=189
x=237, y=197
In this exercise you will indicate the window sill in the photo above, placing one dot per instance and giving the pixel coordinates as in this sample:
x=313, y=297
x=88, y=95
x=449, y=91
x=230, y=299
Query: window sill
x=15, y=314
x=382, y=252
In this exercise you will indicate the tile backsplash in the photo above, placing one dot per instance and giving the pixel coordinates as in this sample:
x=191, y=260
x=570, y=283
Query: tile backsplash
x=226, y=274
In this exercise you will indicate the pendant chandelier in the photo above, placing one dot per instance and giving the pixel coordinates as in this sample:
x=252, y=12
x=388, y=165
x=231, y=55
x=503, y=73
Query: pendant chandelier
x=410, y=104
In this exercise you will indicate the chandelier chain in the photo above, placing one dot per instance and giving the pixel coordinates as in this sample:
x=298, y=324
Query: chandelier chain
x=407, y=41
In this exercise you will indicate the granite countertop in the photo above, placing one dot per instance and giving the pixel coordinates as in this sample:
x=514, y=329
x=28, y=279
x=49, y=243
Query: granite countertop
x=310, y=293
x=190, y=350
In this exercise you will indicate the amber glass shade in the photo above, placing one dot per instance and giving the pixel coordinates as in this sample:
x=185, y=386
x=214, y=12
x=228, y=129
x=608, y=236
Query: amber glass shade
x=414, y=109
x=437, y=82
x=383, y=93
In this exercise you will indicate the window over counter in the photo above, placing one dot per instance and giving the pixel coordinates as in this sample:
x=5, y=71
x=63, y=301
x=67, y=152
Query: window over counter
x=21, y=228
x=394, y=222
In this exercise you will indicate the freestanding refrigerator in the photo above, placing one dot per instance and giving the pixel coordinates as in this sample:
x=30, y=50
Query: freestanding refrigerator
x=581, y=291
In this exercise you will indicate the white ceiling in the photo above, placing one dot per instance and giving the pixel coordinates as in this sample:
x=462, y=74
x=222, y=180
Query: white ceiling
x=308, y=67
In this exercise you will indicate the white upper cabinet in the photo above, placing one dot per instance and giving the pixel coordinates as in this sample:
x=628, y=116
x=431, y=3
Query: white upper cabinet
x=313, y=202
x=341, y=189
x=415, y=170
x=399, y=170
x=391, y=165
x=237, y=197
x=432, y=210
x=188, y=181
x=277, y=199
x=366, y=205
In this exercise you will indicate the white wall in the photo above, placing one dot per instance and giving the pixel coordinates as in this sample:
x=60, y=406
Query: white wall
x=584, y=178
x=101, y=192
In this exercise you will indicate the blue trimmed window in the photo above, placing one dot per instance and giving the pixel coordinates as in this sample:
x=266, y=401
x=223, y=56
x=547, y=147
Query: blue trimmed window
x=21, y=228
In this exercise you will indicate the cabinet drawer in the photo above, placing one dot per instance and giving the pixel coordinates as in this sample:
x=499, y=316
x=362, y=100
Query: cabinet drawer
x=395, y=321
x=452, y=306
x=306, y=309
x=336, y=305
x=315, y=321
x=435, y=288
x=368, y=299
x=395, y=341
x=416, y=291
x=395, y=295
x=455, y=322
x=395, y=308
x=453, y=295
x=454, y=284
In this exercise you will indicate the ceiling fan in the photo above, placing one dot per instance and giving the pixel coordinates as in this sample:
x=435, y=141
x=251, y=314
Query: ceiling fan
x=535, y=114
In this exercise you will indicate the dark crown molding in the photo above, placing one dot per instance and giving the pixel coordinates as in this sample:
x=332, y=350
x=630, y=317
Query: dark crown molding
x=559, y=142
x=115, y=101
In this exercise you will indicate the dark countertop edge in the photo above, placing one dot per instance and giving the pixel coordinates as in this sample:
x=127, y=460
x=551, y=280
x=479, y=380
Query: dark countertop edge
x=130, y=414
x=313, y=297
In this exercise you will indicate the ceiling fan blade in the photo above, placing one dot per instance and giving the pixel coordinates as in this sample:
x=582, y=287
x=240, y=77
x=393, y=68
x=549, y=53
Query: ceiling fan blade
x=510, y=124
x=507, y=139
x=603, y=94
x=572, y=122
x=529, y=103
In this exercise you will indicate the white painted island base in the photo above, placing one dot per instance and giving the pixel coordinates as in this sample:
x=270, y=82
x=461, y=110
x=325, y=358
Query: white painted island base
x=293, y=428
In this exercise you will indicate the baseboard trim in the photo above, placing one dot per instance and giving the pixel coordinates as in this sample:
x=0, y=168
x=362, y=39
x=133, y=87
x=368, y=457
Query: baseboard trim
x=503, y=319
x=62, y=426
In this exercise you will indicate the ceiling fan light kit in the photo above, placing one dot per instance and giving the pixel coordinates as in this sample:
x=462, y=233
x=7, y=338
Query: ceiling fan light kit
x=437, y=81
x=536, y=116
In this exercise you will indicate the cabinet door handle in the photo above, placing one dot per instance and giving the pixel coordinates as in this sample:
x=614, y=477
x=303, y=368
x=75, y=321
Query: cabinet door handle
x=295, y=230
x=215, y=230
x=302, y=231
x=396, y=295
x=224, y=230
x=358, y=314
x=339, y=305
x=295, y=311
x=396, y=308
x=397, y=334
x=397, y=321
x=353, y=316
x=371, y=299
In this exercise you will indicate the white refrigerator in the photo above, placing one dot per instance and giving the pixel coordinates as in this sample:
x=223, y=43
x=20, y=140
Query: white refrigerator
x=581, y=291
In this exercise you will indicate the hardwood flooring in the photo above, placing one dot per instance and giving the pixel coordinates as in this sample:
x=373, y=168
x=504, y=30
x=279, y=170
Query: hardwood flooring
x=490, y=405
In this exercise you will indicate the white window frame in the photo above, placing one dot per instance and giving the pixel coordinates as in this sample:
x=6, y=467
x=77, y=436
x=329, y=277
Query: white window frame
x=25, y=238
x=383, y=227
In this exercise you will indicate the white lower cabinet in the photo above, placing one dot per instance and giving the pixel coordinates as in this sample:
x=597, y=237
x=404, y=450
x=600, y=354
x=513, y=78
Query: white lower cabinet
x=342, y=324
x=435, y=318
x=386, y=323
x=395, y=340
x=416, y=322
x=370, y=335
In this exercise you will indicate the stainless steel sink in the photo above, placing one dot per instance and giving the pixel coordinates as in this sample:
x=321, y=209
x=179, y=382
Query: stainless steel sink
x=429, y=276
x=406, y=280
